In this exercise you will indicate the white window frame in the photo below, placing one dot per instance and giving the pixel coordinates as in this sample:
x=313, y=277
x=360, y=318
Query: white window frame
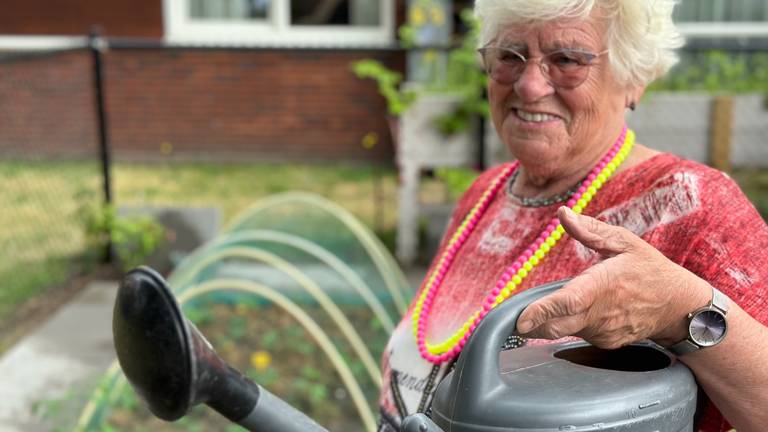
x=276, y=30
x=723, y=29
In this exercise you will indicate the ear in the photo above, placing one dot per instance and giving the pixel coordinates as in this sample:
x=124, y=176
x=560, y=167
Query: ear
x=633, y=96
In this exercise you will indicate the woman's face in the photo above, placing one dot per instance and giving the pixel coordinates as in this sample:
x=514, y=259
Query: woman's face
x=578, y=123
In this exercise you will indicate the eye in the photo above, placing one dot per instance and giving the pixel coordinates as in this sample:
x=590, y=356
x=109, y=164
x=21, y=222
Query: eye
x=564, y=59
x=508, y=56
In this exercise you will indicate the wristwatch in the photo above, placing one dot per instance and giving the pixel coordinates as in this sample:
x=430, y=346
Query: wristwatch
x=707, y=326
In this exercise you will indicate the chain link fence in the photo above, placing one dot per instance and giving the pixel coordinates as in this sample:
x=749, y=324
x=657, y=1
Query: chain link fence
x=49, y=168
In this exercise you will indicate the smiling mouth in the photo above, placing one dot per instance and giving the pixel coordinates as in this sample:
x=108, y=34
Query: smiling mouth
x=535, y=117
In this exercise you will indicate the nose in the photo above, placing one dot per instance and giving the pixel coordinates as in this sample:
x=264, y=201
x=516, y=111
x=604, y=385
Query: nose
x=532, y=84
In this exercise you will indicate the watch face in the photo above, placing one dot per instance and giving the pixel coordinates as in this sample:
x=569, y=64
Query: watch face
x=707, y=327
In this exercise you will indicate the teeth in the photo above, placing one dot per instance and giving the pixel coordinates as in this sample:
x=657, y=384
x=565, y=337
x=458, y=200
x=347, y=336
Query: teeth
x=535, y=117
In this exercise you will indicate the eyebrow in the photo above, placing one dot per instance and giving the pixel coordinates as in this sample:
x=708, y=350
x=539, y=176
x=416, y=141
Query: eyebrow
x=521, y=47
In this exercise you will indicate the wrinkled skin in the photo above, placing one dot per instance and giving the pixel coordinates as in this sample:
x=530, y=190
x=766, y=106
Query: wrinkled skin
x=634, y=293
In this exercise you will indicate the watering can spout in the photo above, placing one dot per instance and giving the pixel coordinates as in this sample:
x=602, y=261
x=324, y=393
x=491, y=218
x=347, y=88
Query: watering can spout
x=173, y=367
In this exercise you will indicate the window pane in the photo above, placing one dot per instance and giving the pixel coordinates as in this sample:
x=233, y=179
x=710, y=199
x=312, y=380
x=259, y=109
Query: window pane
x=229, y=9
x=335, y=12
x=721, y=10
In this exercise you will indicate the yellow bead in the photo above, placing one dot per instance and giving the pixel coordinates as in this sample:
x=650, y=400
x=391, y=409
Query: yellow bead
x=587, y=197
x=522, y=272
x=504, y=293
x=556, y=235
x=539, y=254
x=534, y=260
x=528, y=266
x=591, y=190
x=597, y=184
x=551, y=240
x=581, y=202
x=544, y=248
x=612, y=166
x=601, y=177
x=577, y=209
x=517, y=280
x=560, y=229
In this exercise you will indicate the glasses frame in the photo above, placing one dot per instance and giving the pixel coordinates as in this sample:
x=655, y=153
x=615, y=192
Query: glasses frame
x=544, y=67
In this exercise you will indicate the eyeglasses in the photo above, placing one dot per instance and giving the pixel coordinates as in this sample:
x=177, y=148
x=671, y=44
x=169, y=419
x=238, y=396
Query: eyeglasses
x=566, y=68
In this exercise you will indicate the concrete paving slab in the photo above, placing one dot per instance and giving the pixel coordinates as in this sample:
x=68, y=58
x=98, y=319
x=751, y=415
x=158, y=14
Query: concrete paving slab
x=56, y=367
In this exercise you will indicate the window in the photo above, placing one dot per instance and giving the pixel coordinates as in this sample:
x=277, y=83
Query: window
x=350, y=23
x=723, y=18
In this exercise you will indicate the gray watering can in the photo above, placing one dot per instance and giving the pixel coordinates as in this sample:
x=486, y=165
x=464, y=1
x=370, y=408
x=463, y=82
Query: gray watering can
x=557, y=387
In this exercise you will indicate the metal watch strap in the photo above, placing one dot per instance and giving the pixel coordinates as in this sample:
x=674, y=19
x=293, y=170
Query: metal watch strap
x=720, y=302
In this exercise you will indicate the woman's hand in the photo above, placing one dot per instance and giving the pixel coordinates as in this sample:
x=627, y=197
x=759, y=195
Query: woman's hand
x=634, y=293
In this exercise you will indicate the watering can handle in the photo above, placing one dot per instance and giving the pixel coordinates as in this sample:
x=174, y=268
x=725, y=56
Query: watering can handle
x=477, y=370
x=479, y=360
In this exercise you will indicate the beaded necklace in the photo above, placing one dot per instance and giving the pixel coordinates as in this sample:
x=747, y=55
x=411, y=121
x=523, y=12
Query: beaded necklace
x=523, y=265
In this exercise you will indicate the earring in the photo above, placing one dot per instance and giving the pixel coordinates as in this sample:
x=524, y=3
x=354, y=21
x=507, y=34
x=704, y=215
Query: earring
x=632, y=106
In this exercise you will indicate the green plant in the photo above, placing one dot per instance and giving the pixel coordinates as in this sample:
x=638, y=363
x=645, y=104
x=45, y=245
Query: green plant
x=717, y=72
x=463, y=77
x=133, y=238
x=388, y=83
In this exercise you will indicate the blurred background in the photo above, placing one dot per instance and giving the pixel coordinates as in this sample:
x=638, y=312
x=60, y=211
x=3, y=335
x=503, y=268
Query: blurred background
x=146, y=130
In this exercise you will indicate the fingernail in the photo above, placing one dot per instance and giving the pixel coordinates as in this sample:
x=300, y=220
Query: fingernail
x=524, y=326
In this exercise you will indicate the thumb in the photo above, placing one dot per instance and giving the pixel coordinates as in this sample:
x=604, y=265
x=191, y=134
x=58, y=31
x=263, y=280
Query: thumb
x=599, y=236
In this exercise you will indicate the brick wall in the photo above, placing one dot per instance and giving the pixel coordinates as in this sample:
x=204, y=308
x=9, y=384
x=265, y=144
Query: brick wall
x=48, y=106
x=198, y=104
x=135, y=18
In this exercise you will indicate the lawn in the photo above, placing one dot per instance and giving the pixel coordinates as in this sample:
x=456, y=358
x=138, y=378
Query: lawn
x=43, y=243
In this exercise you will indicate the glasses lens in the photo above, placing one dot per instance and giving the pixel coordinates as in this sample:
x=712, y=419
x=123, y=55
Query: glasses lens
x=503, y=65
x=563, y=68
x=567, y=69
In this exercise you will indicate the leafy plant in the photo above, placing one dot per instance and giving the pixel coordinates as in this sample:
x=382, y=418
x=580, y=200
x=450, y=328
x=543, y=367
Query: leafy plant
x=133, y=238
x=388, y=82
x=463, y=77
x=716, y=72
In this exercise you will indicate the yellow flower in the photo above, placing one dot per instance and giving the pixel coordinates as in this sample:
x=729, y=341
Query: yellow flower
x=438, y=18
x=417, y=16
x=261, y=360
x=369, y=140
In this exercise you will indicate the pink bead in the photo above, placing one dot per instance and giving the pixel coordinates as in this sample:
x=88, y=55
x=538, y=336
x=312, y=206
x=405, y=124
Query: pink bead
x=571, y=202
x=521, y=259
x=486, y=307
x=581, y=190
x=528, y=253
x=462, y=342
x=551, y=227
x=591, y=177
x=500, y=284
x=601, y=165
x=495, y=292
x=576, y=196
x=472, y=328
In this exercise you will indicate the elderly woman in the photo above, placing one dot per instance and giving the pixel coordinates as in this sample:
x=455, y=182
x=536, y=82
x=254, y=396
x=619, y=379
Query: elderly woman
x=648, y=237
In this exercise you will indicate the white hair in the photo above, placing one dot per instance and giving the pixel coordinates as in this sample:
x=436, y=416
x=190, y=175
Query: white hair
x=641, y=37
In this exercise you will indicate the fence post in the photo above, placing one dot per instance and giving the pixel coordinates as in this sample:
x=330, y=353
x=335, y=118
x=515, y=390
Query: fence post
x=721, y=133
x=97, y=44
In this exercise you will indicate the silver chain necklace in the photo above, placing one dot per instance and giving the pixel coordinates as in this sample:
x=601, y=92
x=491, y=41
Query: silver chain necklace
x=539, y=202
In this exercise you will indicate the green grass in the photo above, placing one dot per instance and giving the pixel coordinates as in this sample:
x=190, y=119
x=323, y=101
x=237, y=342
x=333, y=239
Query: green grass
x=43, y=243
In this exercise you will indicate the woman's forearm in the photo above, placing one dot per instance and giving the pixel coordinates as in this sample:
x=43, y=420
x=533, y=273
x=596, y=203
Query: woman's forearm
x=734, y=373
